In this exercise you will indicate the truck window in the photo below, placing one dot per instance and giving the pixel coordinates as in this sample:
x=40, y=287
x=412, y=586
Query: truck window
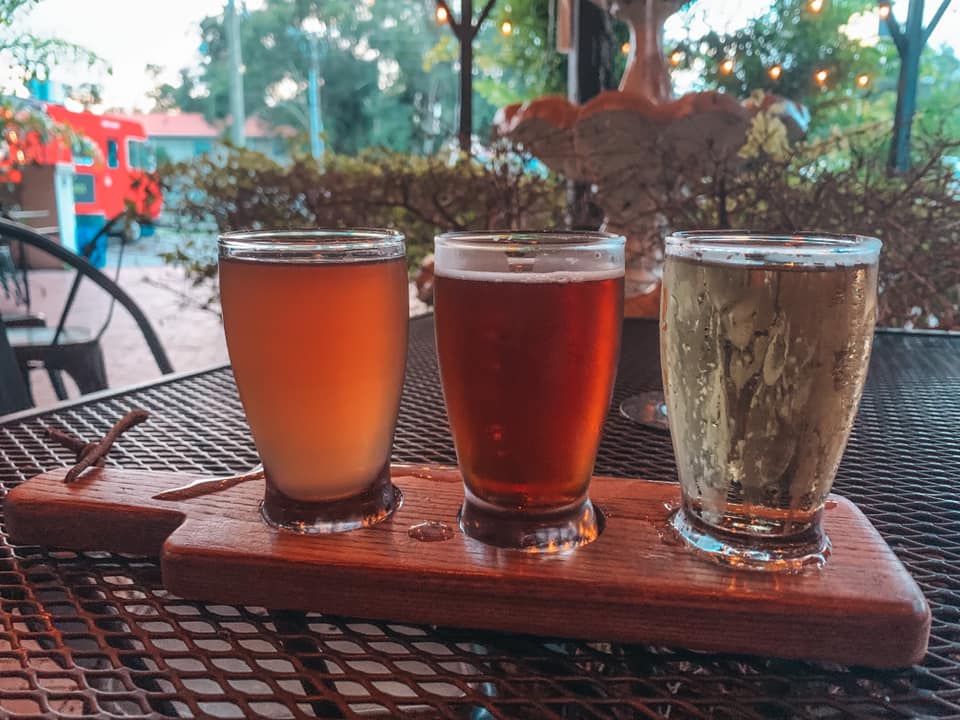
x=113, y=155
x=135, y=154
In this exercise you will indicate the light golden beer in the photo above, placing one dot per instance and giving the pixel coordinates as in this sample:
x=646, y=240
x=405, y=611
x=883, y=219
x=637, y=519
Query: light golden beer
x=765, y=353
x=318, y=348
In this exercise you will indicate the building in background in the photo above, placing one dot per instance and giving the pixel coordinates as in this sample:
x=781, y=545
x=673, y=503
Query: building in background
x=178, y=137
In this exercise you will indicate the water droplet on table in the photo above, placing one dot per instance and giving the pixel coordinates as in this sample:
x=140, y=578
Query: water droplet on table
x=430, y=531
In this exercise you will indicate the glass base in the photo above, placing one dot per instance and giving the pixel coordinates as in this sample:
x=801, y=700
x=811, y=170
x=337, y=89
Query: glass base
x=373, y=505
x=773, y=554
x=555, y=531
x=649, y=409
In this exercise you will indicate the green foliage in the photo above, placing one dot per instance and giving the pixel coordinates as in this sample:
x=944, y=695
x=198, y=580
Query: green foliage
x=840, y=184
x=420, y=196
x=525, y=64
x=938, y=101
x=377, y=90
x=802, y=43
x=32, y=56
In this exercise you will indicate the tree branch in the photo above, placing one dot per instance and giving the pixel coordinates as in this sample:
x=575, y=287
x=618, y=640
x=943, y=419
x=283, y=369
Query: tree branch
x=474, y=29
x=455, y=25
x=936, y=19
x=895, y=31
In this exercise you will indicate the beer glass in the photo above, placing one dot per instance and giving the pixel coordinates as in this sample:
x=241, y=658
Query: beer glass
x=316, y=326
x=528, y=337
x=764, y=346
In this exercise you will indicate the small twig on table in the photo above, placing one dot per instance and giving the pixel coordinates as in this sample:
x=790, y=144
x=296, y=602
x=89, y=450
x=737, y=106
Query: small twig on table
x=93, y=453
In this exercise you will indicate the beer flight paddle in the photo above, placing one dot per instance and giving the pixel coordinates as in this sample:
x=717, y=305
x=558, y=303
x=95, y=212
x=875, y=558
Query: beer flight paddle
x=635, y=583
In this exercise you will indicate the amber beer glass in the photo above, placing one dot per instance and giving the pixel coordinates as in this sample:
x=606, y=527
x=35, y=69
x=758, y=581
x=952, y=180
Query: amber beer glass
x=528, y=336
x=765, y=342
x=316, y=326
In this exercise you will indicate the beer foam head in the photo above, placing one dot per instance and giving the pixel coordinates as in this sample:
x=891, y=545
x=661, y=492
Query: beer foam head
x=529, y=257
x=800, y=250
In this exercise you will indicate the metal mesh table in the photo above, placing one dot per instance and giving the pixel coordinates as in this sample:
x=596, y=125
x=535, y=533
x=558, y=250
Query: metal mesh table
x=95, y=634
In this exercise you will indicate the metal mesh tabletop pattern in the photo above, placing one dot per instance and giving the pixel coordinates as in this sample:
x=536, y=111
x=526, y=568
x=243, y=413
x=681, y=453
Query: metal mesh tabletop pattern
x=95, y=634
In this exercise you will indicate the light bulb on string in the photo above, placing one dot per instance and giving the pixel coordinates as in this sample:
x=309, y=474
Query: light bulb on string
x=863, y=80
x=726, y=67
x=821, y=76
x=506, y=27
x=775, y=72
x=815, y=6
x=625, y=48
x=676, y=57
x=442, y=15
x=884, y=11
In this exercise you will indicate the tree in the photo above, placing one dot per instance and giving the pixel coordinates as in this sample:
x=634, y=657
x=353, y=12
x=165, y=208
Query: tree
x=910, y=41
x=785, y=50
x=372, y=72
x=790, y=51
x=29, y=55
x=465, y=29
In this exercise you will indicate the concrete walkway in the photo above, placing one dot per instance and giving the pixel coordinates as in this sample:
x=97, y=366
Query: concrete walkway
x=192, y=337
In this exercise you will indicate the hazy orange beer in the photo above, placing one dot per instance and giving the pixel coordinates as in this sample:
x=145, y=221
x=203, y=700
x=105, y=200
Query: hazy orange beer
x=316, y=326
x=528, y=335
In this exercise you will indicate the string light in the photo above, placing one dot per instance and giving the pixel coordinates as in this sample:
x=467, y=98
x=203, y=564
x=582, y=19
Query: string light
x=442, y=15
x=821, y=76
x=676, y=57
x=884, y=11
x=726, y=67
x=815, y=6
x=863, y=80
x=625, y=48
x=506, y=27
x=775, y=72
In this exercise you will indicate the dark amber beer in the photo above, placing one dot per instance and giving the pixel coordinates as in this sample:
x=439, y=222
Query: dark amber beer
x=528, y=335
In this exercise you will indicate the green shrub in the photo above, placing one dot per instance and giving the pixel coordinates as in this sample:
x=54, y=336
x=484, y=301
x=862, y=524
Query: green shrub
x=839, y=185
x=416, y=195
x=842, y=185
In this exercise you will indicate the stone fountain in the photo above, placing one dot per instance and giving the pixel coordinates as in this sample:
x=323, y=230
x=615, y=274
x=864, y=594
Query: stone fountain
x=638, y=143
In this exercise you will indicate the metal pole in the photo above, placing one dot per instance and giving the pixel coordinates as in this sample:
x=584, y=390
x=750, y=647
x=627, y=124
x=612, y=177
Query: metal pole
x=466, y=74
x=316, y=119
x=232, y=22
x=585, y=79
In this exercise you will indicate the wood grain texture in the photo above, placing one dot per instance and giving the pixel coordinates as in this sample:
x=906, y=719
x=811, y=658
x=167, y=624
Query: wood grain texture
x=629, y=586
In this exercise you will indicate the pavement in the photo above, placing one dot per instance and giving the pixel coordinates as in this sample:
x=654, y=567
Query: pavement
x=192, y=337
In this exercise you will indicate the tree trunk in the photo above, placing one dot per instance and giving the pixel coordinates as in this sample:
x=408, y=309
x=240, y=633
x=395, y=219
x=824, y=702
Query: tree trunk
x=907, y=88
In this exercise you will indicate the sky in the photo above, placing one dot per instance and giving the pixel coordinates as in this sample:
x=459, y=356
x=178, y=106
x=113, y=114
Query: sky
x=130, y=34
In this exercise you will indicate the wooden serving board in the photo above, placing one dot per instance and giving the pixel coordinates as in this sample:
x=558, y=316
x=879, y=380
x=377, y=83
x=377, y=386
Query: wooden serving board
x=863, y=608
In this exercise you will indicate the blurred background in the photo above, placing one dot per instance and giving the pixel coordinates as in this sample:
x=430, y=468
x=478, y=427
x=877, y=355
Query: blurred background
x=133, y=131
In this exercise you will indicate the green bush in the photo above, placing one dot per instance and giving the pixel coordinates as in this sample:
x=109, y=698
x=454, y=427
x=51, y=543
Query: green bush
x=837, y=185
x=842, y=185
x=416, y=195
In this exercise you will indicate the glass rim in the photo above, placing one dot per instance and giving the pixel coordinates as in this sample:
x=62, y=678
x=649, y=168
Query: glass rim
x=371, y=237
x=530, y=239
x=766, y=248
x=312, y=244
